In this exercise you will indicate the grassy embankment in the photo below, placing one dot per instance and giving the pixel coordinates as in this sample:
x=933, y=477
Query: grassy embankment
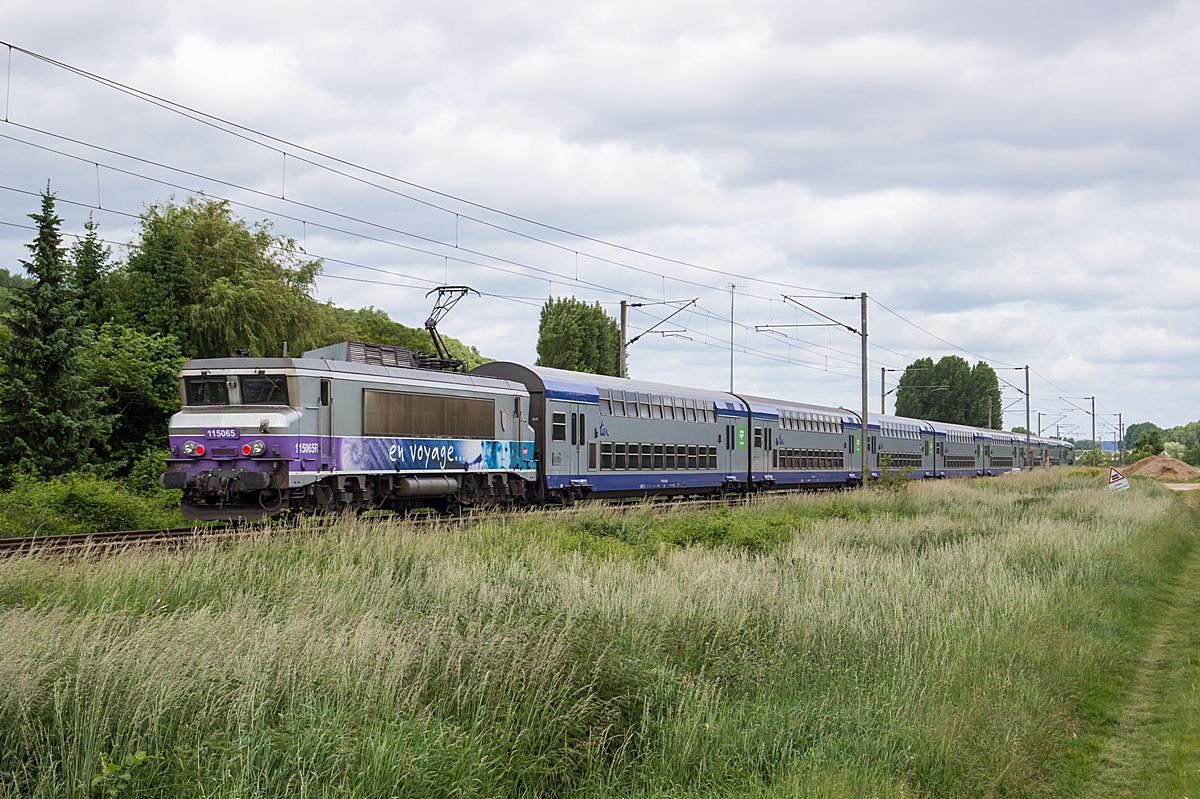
x=969, y=638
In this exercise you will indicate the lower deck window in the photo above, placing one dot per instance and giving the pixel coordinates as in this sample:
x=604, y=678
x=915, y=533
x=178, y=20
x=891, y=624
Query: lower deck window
x=812, y=458
x=652, y=457
x=901, y=460
x=960, y=461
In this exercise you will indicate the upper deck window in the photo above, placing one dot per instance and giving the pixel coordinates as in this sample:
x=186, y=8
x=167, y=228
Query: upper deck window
x=206, y=390
x=264, y=389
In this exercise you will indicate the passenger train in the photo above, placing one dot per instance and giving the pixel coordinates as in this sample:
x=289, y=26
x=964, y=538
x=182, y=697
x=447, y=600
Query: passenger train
x=355, y=427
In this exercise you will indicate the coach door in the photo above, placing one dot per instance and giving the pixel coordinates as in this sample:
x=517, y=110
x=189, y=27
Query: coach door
x=577, y=462
x=325, y=426
x=728, y=448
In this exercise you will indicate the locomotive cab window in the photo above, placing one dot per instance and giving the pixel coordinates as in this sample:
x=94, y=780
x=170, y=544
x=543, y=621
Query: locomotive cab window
x=264, y=389
x=206, y=391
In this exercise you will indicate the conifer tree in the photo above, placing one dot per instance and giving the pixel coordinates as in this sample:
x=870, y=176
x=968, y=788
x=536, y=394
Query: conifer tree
x=48, y=414
x=89, y=268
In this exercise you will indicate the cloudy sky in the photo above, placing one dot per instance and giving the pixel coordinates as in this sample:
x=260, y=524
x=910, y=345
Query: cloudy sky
x=1010, y=181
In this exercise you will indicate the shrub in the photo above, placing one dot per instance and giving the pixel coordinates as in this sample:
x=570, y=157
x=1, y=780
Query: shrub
x=80, y=503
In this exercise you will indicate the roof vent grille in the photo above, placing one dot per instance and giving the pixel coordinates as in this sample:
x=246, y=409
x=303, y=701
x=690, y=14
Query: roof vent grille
x=381, y=355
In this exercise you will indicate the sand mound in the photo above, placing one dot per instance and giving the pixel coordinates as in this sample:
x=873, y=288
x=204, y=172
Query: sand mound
x=1163, y=466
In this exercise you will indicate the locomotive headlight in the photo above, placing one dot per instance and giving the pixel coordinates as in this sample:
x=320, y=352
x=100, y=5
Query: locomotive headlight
x=189, y=448
x=254, y=448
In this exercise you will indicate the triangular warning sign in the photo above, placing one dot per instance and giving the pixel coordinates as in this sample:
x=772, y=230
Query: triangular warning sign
x=1116, y=480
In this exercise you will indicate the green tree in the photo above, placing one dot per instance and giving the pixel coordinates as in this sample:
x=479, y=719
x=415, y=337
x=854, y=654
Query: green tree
x=9, y=283
x=216, y=284
x=985, y=390
x=1093, y=457
x=1186, y=434
x=376, y=327
x=580, y=337
x=1148, y=444
x=137, y=376
x=90, y=265
x=49, y=415
x=950, y=390
x=1135, y=431
x=1192, y=456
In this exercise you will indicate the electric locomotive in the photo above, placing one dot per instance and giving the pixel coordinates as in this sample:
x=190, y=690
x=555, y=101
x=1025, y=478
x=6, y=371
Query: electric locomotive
x=349, y=427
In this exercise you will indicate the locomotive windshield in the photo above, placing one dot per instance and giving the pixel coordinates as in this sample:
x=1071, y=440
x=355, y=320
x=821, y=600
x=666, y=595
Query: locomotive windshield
x=264, y=389
x=206, y=391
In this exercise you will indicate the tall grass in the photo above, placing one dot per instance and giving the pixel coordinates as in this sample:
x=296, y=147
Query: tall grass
x=962, y=639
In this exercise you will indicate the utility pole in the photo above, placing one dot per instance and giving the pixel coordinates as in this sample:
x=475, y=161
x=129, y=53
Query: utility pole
x=1121, y=440
x=624, y=336
x=882, y=393
x=861, y=331
x=1028, y=451
x=1039, y=413
x=865, y=427
x=1095, y=443
x=990, y=413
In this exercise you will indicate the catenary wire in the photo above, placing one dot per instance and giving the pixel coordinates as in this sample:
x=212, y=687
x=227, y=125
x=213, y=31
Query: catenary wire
x=551, y=276
x=714, y=342
x=224, y=125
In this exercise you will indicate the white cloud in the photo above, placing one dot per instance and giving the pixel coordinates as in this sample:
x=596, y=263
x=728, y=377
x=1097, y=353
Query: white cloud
x=1021, y=179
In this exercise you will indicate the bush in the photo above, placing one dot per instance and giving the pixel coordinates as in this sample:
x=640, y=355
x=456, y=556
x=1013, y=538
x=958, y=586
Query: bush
x=1192, y=456
x=80, y=503
x=1148, y=445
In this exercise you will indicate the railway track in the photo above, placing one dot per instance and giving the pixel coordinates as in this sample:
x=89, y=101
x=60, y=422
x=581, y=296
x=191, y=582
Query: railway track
x=79, y=543
x=75, y=542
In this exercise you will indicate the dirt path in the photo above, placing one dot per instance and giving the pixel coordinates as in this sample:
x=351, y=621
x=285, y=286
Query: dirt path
x=1154, y=750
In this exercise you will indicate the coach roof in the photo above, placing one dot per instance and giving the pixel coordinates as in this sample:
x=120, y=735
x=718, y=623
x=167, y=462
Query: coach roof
x=579, y=387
